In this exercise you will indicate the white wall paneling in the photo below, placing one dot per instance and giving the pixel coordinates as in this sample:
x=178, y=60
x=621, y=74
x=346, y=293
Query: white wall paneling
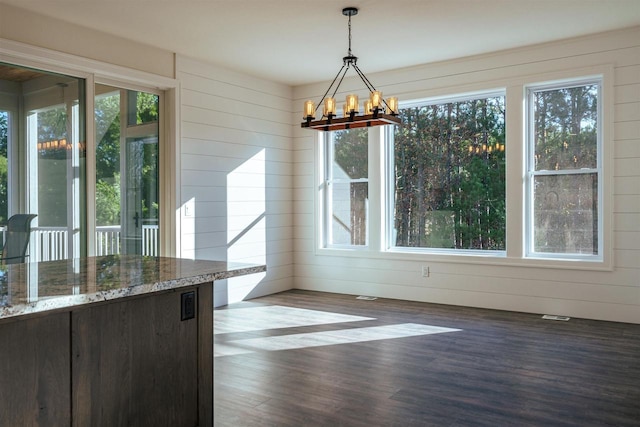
x=236, y=175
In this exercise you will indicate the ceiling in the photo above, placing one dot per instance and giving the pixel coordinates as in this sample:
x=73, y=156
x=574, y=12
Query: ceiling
x=302, y=41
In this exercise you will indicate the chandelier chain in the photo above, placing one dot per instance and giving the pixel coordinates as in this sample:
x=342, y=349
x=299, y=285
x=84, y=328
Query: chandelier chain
x=350, y=35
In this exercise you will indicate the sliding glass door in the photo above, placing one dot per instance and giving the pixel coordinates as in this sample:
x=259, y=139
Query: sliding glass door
x=43, y=164
x=127, y=197
x=42, y=158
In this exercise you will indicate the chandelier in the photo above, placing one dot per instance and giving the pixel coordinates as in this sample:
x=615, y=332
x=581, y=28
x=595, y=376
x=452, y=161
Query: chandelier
x=376, y=110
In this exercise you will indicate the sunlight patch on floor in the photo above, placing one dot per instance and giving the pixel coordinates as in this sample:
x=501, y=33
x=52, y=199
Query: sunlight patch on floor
x=316, y=339
x=274, y=317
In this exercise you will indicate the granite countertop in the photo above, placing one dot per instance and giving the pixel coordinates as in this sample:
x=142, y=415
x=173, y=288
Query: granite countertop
x=39, y=287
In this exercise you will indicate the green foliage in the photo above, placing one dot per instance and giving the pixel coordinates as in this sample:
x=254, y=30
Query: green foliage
x=108, y=201
x=150, y=184
x=52, y=124
x=566, y=139
x=566, y=128
x=450, y=171
x=351, y=152
x=108, y=156
x=107, y=123
x=147, y=107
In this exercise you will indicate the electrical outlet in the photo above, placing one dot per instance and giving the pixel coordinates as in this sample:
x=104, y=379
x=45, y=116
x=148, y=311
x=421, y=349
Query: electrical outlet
x=188, y=305
x=425, y=271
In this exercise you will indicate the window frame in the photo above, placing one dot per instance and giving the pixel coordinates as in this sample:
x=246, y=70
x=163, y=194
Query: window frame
x=326, y=181
x=530, y=172
x=389, y=155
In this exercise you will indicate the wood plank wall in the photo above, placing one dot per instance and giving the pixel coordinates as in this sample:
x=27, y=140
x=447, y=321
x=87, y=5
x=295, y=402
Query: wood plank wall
x=606, y=295
x=236, y=175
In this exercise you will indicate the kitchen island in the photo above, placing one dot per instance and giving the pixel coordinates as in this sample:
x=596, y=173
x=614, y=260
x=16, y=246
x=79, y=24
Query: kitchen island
x=109, y=341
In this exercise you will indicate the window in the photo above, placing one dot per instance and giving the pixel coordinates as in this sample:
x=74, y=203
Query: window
x=47, y=160
x=442, y=189
x=564, y=172
x=448, y=175
x=346, y=188
x=127, y=202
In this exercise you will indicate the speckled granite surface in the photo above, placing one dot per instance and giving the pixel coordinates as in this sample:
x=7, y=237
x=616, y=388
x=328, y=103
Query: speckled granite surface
x=40, y=287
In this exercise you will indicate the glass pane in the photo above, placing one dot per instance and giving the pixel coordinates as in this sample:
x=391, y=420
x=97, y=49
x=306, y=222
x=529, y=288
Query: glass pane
x=350, y=213
x=348, y=188
x=142, y=108
x=140, y=225
x=55, y=160
x=351, y=154
x=565, y=128
x=126, y=172
x=52, y=166
x=449, y=170
x=566, y=214
x=107, y=123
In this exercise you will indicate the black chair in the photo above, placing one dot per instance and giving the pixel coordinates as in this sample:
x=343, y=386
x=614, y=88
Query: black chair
x=16, y=238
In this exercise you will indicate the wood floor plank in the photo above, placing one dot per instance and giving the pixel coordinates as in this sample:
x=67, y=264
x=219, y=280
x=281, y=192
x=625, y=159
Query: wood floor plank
x=500, y=368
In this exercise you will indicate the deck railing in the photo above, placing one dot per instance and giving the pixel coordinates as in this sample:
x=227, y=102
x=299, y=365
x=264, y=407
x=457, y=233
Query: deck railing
x=51, y=243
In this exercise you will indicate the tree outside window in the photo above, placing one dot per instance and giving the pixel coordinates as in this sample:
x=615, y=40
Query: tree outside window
x=563, y=169
x=449, y=175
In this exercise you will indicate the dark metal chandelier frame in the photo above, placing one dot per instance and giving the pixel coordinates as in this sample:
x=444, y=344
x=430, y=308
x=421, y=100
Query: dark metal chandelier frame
x=377, y=110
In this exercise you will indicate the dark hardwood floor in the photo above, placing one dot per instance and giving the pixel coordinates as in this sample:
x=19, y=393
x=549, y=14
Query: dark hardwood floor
x=276, y=365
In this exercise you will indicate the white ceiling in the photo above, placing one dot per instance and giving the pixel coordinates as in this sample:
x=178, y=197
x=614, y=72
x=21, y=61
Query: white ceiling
x=303, y=41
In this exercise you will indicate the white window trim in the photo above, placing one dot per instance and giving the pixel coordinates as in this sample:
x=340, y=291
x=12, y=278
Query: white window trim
x=327, y=153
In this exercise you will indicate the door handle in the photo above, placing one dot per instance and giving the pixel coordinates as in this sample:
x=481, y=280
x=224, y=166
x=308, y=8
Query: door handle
x=136, y=219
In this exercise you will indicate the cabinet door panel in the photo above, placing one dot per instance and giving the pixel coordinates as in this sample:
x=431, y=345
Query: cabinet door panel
x=135, y=364
x=34, y=371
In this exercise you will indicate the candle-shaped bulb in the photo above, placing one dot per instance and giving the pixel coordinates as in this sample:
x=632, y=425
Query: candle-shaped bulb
x=392, y=103
x=329, y=107
x=309, y=110
x=352, y=103
x=376, y=99
x=367, y=107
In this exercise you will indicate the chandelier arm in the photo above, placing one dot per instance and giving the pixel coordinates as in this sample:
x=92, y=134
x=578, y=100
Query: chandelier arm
x=330, y=86
x=364, y=79
x=340, y=82
x=368, y=83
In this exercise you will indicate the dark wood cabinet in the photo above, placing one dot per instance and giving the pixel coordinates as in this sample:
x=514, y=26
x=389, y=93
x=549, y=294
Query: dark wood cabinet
x=135, y=363
x=129, y=362
x=34, y=371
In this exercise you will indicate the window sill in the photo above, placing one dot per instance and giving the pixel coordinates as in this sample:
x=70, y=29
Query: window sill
x=496, y=258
